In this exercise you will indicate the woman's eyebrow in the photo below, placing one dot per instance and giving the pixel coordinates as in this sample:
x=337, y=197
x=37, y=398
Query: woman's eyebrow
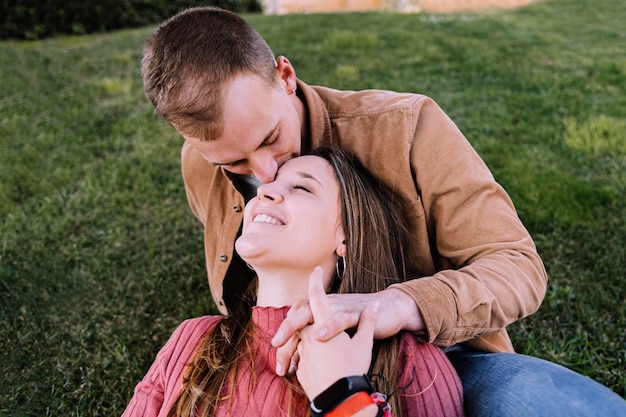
x=309, y=176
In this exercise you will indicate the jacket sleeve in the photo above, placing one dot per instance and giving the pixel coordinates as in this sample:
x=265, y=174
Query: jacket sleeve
x=490, y=273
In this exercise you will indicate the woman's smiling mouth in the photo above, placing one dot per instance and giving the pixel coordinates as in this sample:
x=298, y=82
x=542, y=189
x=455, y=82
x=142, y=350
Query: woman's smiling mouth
x=264, y=218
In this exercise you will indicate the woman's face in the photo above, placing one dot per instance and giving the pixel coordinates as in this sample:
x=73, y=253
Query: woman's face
x=295, y=221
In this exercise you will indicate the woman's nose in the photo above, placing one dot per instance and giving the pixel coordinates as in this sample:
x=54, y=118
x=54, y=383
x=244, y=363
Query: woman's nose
x=270, y=192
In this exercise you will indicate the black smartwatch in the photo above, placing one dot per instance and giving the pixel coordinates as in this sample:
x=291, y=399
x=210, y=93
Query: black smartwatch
x=338, y=392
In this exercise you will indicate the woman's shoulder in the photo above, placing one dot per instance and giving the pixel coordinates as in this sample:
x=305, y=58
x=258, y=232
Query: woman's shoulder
x=428, y=379
x=411, y=348
x=187, y=335
x=182, y=343
x=196, y=327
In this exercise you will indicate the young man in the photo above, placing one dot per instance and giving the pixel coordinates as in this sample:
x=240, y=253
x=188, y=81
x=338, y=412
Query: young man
x=475, y=268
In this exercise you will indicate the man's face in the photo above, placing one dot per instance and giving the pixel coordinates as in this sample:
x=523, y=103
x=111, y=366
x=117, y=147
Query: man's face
x=262, y=129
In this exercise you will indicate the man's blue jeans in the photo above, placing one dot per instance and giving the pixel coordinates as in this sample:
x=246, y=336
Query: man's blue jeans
x=511, y=385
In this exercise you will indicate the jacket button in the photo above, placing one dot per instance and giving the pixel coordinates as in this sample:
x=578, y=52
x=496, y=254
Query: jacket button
x=237, y=209
x=223, y=258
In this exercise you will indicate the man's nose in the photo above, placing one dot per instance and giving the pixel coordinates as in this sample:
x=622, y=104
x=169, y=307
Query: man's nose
x=264, y=170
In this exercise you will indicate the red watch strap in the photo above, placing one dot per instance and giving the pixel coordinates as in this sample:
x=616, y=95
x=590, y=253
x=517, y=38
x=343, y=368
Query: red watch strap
x=351, y=405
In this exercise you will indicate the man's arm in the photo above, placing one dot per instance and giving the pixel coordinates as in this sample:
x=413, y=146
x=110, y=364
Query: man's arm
x=489, y=272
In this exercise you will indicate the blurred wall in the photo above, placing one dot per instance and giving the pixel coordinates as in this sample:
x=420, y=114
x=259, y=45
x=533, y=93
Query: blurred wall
x=318, y=6
x=436, y=6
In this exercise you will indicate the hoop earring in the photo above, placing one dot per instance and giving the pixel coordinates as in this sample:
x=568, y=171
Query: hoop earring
x=341, y=269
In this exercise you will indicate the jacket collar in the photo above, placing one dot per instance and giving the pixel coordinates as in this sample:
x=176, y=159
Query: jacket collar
x=320, y=132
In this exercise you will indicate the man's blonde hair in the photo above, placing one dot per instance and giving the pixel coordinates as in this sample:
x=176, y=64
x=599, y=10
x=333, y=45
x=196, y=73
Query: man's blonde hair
x=191, y=56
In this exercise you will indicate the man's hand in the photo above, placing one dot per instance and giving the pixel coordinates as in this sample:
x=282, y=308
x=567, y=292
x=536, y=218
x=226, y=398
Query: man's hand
x=397, y=312
x=323, y=363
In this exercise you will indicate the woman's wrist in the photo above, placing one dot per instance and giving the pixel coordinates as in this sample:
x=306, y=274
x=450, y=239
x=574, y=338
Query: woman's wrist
x=348, y=397
x=338, y=392
x=345, y=389
x=358, y=405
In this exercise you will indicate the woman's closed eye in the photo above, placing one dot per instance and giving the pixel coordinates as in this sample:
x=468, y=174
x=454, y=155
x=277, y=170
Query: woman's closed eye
x=301, y=187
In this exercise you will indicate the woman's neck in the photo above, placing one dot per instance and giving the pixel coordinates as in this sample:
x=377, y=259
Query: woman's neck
x=278, y=289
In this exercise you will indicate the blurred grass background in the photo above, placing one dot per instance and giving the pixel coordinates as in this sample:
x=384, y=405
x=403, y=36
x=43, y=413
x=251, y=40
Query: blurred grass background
x=100, y=257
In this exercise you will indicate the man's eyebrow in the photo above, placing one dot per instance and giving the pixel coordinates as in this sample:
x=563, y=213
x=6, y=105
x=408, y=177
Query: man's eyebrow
x=267, y=137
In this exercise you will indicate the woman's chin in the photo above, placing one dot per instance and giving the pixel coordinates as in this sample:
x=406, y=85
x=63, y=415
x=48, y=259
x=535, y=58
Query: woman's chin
x=248, y=249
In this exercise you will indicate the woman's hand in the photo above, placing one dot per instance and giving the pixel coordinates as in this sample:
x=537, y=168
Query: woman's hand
x=400, y=313
x=322, y=363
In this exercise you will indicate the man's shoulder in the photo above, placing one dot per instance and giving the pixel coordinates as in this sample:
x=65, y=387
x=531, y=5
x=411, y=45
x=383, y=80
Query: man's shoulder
x=342, y=103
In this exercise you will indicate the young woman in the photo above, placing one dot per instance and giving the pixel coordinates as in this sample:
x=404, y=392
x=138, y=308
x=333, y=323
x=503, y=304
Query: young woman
x=323, y=225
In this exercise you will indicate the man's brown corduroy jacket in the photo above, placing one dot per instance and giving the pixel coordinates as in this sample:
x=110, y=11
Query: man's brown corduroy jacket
x=476, y=268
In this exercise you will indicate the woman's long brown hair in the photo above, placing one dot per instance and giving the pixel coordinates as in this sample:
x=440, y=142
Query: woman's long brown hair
x=376, y=237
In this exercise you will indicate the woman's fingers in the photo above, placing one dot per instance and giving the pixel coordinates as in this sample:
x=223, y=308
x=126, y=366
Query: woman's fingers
x=367, y=325
x=320, y=308
x=287, y=357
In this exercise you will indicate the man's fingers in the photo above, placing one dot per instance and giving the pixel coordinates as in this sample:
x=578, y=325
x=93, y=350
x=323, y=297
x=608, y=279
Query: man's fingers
x=341, y=321
x=336, y=324
x=299, y=316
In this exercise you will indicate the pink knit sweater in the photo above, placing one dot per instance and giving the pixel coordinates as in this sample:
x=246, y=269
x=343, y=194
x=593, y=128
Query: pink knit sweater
x=432, y=386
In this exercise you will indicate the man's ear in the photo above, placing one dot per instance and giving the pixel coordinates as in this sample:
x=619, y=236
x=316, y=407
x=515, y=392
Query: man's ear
x=287, y=74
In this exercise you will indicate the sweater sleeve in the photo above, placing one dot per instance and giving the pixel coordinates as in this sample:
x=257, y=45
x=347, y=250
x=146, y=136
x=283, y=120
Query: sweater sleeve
x=160, y=387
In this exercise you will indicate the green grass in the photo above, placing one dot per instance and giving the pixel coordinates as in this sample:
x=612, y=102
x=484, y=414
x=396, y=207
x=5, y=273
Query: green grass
x=100, y=257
